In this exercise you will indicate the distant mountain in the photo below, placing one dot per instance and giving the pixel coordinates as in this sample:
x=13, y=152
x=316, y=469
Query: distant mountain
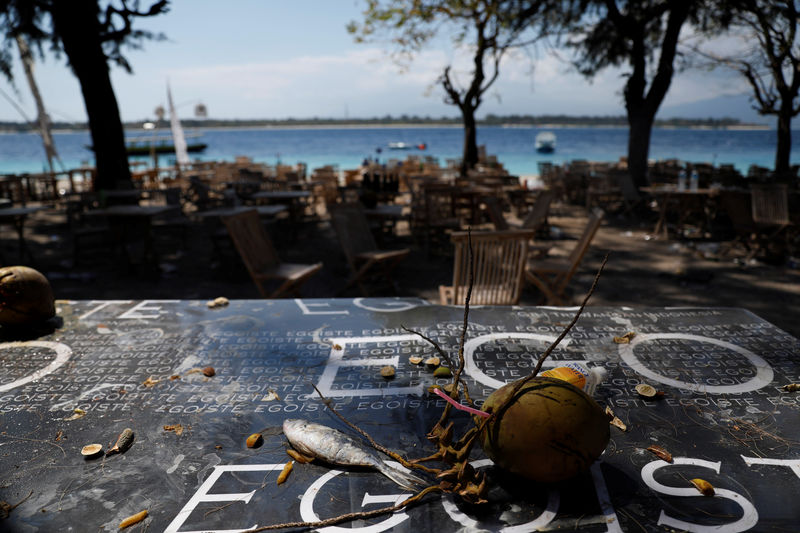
x=730, y=106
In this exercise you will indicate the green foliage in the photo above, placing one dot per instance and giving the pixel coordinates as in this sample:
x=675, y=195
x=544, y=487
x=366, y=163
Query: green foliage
x=33, y=20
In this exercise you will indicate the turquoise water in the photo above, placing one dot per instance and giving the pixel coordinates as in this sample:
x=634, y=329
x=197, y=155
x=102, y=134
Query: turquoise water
x=347, y=147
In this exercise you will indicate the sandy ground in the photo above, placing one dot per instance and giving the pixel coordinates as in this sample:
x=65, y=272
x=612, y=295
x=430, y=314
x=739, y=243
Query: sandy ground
x=641, y=271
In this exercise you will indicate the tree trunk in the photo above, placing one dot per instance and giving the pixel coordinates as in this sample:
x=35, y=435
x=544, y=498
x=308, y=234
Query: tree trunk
x=783, y=152
x=470, y=156
x=77, y=24
x=41, y=113
x=641, y=125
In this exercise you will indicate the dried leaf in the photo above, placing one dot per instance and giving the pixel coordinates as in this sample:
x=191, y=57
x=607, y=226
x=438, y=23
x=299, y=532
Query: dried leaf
x=177, y=428
x=287, y=469
x=625, y=339
x=614, y=420
x=791, y=387
x=337, y=347
x=705, y=488
x=133, y=519
x=254, y=440
x=76, y=414
x=271, y=396
x=174, y=377
x=150, y=382
x=387, y=371
x=660, y=452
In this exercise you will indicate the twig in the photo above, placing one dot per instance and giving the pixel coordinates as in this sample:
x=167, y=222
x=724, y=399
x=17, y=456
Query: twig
x=350, y=516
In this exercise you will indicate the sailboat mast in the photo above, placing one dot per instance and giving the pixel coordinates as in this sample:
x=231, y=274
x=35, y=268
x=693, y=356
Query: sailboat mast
x=178, y=139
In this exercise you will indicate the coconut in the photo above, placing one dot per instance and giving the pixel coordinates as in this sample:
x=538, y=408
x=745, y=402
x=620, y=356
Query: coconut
x=549, y=432
x=25, y=296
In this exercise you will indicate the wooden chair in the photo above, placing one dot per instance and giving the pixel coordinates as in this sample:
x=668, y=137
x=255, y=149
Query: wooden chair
x=536, y=218
x=499, y=264
x=494, y=209
x=551, y=275
x=770, y=204
x=359, y=247
x=259, y=256
x=439, y=213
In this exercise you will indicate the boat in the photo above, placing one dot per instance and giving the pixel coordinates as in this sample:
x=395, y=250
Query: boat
x=545, y=142
x=144, y=146
x=406, y=146
x=162, y=144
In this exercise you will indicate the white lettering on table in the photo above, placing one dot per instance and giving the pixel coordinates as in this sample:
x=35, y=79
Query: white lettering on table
x=336, y=361
x=305, y=307
x=763, y=377
x=793, y=464
x=202, y=495
x=747, y=521
x=391, y=306
x=308, y=514
x=102, y=305
x=63, y=352
x=471, y=368
x=138, y=310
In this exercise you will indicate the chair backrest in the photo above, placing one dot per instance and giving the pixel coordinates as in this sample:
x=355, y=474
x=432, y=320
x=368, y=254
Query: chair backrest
x=353, y=230
x=495, y=212
x=770, y=203
x=541, y=207
x=589, y=231
x=439, y=201
x=251, y=241
x=499, y=266
x=738, y=206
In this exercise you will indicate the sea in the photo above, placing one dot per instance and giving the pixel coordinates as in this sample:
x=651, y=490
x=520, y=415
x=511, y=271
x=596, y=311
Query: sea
x=348, y=147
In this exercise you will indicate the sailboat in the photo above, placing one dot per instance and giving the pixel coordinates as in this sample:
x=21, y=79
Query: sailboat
x=166, y=144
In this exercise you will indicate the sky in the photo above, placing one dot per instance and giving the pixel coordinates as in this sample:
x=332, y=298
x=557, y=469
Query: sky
x=255, y=59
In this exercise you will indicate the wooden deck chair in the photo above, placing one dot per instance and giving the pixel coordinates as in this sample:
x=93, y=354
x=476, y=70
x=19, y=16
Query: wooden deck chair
x=359, y=247
x=770, y=204
x=536, y=218
x=259, y=256
x=552, y=275
x=495, y=211
x=498, y=267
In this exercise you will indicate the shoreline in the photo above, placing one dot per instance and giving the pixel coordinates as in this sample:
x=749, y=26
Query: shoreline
x=355, y=126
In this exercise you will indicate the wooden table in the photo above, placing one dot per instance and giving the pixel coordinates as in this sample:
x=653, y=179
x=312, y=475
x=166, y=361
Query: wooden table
x=295, y=200
x=684, y=204
x=387, y=216
x=16, y=216
x=264, y=211
x=132, y=221
x=115, y=364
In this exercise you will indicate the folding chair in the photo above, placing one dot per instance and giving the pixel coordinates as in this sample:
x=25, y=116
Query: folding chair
x=498, y=266
x=259, y=256
x=359, y=247
x=551, y=275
